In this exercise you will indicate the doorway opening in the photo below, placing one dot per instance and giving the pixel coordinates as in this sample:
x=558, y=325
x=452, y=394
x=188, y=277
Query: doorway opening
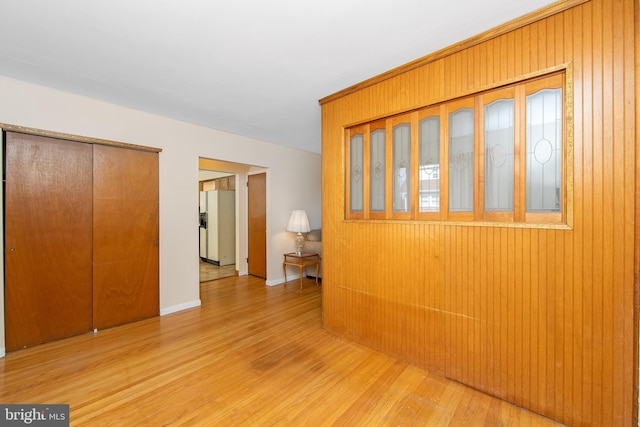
x=217, y=224
x=224, y=231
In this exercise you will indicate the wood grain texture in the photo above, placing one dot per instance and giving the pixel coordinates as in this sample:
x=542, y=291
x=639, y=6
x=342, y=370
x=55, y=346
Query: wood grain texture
x=48, y=220
x=76, y=138
x=251, y=355
x=545, y=318
x=257, y=224
x=125, y=236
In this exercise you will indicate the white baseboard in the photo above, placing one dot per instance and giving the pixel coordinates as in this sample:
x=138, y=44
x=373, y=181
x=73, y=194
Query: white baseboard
x=2, y=352
x=281, y=280
x=242, y=273
x=180, y=307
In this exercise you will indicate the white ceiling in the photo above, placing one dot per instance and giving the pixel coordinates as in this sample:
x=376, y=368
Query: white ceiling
x=251, y=67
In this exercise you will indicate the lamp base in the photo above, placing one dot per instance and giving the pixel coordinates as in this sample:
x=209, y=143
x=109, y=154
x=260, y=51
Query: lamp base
x=299, y=243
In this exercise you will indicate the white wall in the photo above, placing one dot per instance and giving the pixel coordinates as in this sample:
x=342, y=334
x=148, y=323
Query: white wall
x=293, y=178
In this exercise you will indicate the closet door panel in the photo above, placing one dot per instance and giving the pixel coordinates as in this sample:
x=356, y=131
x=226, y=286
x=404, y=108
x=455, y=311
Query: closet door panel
x=48, y=214
x=125, y=237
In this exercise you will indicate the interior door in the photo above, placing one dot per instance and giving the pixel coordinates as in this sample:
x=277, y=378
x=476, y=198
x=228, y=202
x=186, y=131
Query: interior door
x=257, y=228
x=48, y=214
x=125, y=236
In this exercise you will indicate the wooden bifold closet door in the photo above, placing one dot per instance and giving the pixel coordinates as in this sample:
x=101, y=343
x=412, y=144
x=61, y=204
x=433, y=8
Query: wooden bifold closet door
x=81, y=237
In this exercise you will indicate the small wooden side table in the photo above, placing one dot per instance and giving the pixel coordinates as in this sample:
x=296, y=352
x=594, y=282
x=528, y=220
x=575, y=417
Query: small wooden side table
x=301, y=261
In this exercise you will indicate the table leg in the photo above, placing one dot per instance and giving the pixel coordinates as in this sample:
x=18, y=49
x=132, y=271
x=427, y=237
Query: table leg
x=317, y=271
x=284, y=268
x=300, y=266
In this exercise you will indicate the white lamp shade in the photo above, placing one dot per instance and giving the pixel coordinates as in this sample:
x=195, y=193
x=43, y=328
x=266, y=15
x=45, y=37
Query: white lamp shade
x=298, y=222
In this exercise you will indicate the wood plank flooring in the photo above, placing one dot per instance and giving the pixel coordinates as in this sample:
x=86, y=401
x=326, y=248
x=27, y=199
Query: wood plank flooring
x=251, y=355
x=209, y=271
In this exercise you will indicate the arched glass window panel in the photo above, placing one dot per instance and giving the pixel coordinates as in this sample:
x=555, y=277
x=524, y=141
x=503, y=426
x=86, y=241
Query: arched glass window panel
x=356, y=187
x=461, y=134
x=498, y=159
x=401, y=168
x=429, y=153
x=377, y=168
x=544, y=150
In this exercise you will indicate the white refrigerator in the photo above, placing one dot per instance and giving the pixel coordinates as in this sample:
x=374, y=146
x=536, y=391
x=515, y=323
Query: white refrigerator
x=218, y=227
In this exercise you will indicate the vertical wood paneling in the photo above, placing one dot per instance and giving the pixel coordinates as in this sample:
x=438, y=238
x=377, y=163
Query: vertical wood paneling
x=631, y=90
x=587, y=404
x=568, y=266
x=576, y=342
x=559, y=320
x=507, y=236
x=517, y=281
x=544, y=318
x=609, y=203
x=597, y=147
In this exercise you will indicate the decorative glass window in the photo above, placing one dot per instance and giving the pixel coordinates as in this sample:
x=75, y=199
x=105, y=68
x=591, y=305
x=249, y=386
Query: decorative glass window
x=544, y=150
x=401, y=168
x=378, y=144
x=429, y=154
x=496, y=156
x=461, y=160
x=356, y=171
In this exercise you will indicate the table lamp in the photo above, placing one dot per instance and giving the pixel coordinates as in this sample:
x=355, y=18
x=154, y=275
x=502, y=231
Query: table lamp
x=298, y=223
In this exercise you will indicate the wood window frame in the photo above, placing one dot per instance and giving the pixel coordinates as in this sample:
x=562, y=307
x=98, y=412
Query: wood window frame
x=369, y=213
x=555, y=81
x=435, y=111
x=484, y=100
x=450, y=108
x=557, y=77
x=393, y=122
x=349, y=133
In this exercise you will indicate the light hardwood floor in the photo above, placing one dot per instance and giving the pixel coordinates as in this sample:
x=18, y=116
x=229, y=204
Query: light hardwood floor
x=213, y=272
x=251, y=355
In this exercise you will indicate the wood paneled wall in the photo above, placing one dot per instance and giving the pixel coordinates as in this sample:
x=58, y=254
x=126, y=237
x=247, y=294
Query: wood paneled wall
x=544, y=318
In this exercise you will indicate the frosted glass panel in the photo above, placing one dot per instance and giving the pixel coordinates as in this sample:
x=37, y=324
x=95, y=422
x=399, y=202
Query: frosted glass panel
x=356, y=146
x=377, y=168
x=401, y=168
x=498, y=159
x=544, y=155
x=429, y=152
x=461, y=160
